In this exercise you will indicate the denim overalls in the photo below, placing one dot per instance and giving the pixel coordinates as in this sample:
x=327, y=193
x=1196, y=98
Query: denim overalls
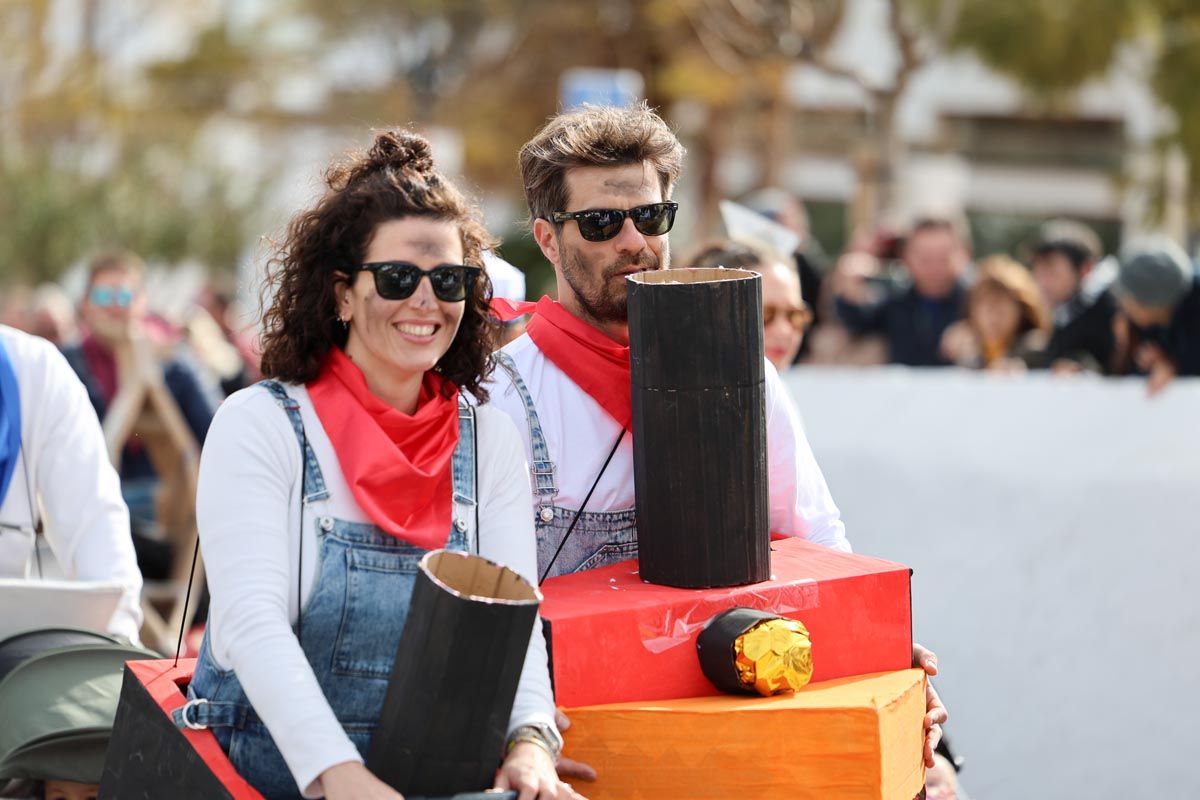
x=599, y=537
x=352, y=621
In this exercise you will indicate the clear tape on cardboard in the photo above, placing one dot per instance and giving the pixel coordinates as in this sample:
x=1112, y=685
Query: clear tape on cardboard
x=660, y=629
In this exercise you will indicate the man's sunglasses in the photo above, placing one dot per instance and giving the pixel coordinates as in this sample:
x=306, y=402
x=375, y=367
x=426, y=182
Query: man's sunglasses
x=105, y=297
x=396, y=280
x=602, y=224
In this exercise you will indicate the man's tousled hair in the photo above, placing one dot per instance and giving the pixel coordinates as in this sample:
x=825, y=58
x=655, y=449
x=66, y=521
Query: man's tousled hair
x=595, y=136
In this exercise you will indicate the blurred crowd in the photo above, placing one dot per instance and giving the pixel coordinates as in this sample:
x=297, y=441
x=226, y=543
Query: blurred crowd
x=203, y=357
x=918, y=298
x=921, y=298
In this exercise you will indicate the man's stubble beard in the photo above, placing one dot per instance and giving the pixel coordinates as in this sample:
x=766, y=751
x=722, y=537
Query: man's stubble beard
x=604, y=299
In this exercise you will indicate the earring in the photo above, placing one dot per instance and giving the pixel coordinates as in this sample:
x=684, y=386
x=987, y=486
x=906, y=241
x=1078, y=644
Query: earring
x=345, y=323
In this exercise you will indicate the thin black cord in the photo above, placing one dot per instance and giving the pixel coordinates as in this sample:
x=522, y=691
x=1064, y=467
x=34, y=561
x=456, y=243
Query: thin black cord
x=37, y=555
x=186, y=599
x=583, y=505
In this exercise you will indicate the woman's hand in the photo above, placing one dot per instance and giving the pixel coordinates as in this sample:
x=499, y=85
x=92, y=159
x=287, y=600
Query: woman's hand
x=530, y=770
x=353, y=781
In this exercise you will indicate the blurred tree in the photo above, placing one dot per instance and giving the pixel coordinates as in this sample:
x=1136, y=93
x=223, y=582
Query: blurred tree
x=1175, y=76
x=1053, y=48
x=97, y=144
x=88, y=157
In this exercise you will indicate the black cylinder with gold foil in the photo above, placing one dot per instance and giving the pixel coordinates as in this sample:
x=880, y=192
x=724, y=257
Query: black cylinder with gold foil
x=747, y=651
x=451, y=692
x=699, y=427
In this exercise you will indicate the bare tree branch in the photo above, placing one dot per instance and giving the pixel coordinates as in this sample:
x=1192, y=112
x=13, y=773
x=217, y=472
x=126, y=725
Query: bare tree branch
x=719, y=51
x=813, y=58
x=907, y=42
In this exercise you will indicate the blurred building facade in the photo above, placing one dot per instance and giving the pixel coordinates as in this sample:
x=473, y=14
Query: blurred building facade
x=973, y=140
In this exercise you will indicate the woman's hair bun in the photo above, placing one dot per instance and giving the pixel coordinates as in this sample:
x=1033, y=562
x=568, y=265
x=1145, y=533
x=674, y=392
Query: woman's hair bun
x=401, y=150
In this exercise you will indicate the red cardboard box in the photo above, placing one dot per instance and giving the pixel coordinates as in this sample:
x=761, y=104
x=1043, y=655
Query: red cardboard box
x=617, y=639
x=149, y=756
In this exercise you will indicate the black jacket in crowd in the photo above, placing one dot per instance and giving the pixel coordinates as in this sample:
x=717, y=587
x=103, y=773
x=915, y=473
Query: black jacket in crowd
x=1083, y=333
x=1180, y=338
x=912, y=324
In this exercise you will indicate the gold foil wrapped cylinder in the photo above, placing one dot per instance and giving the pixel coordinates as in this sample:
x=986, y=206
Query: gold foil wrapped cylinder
x=746, y=651
x=774, y=656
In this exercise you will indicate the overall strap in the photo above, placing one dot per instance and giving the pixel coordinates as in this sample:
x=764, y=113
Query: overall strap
x=314, y=488
x=541, y=467
x=312, y=485
x=466, y=469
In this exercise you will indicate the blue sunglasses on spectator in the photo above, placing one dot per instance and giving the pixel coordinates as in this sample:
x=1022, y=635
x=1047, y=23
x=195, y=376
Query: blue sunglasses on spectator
x=106, y=298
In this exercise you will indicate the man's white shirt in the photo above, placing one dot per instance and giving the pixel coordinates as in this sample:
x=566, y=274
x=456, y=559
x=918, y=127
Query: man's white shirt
x=64, y=463
x=580, y=435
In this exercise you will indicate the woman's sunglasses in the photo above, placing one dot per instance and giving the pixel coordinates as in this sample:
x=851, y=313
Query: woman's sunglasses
x=798, y=318
x=396, y=280
x=602, y=224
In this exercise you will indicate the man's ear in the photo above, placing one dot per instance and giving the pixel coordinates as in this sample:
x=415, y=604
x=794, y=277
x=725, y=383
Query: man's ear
x=544, y=234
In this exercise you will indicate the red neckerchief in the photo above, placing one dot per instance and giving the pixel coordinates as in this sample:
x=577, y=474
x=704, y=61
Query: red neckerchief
x=397, y=465
x=595, y=363
x=102, y=364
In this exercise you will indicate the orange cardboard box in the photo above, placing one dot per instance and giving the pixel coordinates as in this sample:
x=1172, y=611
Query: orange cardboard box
x=857, y=738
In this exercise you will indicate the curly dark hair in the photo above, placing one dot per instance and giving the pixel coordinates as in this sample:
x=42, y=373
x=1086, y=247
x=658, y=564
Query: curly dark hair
x=393, y=180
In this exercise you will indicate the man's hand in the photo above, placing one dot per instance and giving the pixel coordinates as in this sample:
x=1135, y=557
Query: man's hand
x=935, y=713
x=850, y=277
x=569, y=767
x=959, y=344
x=1160, y=369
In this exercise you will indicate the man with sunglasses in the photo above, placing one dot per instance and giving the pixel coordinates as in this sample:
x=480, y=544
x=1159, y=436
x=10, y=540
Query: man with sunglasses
x=598, y=182
x=113, y=311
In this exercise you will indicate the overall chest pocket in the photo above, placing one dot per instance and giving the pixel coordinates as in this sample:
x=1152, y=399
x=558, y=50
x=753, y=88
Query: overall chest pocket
x=599, y=539
x=379, y=585
x=610, y=553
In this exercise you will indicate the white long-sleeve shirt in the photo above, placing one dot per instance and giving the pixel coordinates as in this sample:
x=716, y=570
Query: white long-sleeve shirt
x=62, y=447
x=248, y=507
x=580, y=434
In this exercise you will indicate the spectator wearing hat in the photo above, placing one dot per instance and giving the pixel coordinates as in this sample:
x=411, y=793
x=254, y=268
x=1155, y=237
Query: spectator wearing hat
x=1064, y=265
x=1158, y=330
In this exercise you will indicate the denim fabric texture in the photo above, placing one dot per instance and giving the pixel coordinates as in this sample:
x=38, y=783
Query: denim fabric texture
x=599, y=538
x=352, y=621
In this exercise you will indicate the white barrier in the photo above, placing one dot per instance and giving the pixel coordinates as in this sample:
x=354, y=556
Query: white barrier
x=1052, y=525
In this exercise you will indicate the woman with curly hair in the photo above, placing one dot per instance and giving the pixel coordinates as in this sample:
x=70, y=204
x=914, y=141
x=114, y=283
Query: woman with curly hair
x=1006, y=320
x=322, y=487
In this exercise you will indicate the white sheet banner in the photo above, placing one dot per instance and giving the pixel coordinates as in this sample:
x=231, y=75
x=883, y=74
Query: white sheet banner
x=1053, y=527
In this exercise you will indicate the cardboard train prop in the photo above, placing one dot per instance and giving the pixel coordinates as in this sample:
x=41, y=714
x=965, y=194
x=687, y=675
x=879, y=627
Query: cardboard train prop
x=725, y=663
